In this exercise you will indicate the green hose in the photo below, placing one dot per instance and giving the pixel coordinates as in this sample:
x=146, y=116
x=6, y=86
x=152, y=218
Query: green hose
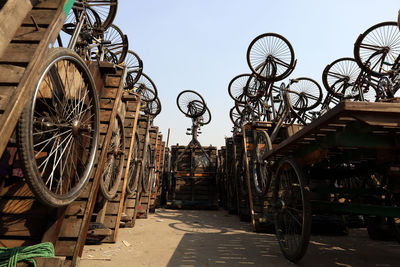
x=10, y=256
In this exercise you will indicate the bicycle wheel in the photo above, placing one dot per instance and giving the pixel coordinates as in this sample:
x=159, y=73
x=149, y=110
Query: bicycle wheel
x=113, y=168
x=118, y=43
x=107, y=9
x=153, y=108
x=146, y=88
x=339, y=78
x=376, y=49
x=91, y=26
x=134, y=167
x=255, y=88
x=206, y=117
x=271, y=57
x=134, y=66
x=235, y=117
x=58, y=130
x=148, y=165
x=237, y=87
x=191, y=103
x=292, y=210
x=307, y=89
x=261, y=171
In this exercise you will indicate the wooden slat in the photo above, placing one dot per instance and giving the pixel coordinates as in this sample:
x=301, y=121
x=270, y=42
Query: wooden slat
x=19, y=53
x=11, y=73
x=71, y=227
x=11, y=16
x=5, y=95
x=40, y=16
x=29, y=34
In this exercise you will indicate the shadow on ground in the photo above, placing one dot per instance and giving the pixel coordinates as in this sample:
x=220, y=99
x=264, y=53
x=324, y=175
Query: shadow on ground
x=214, y=238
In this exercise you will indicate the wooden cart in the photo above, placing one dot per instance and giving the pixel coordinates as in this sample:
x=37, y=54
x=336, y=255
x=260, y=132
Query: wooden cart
x=345, y=162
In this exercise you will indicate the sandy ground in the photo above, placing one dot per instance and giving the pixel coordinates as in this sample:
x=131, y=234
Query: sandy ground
x=215, y=238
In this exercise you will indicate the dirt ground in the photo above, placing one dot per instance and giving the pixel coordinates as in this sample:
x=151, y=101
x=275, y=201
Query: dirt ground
x=215, y=238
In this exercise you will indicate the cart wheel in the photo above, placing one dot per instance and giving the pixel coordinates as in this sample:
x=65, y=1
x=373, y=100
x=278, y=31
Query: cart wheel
x=271, y=57
x=261, y=169
x=146, y=178
x=134, y=167
x=376, y=49
x=113, y=168
x=58, y=130
x=292, y=210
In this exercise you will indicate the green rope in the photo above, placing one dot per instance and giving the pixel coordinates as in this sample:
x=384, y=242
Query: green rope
x=10, y=256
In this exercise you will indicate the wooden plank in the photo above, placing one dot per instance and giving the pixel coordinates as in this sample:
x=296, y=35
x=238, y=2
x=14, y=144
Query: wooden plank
x=19, y=53
x=112, y=81
x=29, y=34
x=71, y=227
x=40, y=16
x=47, y=4
x=10, y=73
x=106, y=103
x=65, y=248
x=11, y=16
x=109, y=93
x=15, y=225
x=6, y=92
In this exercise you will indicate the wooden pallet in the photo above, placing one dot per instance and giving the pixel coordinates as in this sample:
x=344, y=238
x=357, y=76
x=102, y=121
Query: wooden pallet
x=35, y=29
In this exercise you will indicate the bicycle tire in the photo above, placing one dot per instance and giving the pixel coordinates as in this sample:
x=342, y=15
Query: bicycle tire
x=384, y=37
x=114, y=165
x=119, y=43
x=134, y=167
x=153, y=108
x=308, y=88
x=146, y=174
x=65, y=114
x=235, y=117
x=261, y=173
x=339, y=76
x=146, y=88
x=185, y=100
x=134, y=66
x=236, y=87
x=107, y=11
x=284, y=194
x=276, y=47
x=206, y=117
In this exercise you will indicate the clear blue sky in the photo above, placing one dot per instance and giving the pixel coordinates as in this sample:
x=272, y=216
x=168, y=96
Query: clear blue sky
x=201, y=45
